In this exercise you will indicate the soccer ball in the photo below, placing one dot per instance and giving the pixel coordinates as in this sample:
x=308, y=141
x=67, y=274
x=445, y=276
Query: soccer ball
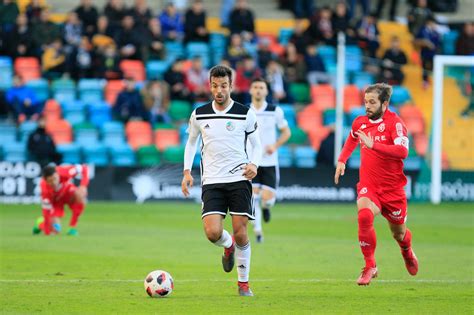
x=158, y=284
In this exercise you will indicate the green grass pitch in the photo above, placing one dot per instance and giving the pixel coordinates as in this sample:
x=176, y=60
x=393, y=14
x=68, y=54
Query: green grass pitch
x=308, y=263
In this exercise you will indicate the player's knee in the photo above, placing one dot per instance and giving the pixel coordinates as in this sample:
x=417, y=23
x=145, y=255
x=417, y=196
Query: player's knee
x=241, y=237
x=213, y=234
x=398, y=235
x=268, y=203
x=365, y=218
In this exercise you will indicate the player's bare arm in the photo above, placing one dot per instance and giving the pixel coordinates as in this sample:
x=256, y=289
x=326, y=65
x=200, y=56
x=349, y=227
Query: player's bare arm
x=340, y=169
x=187, y=182
x=285, y=134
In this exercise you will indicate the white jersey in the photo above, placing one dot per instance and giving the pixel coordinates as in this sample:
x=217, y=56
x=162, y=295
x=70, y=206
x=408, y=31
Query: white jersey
x=224, y=136
x=269, y=118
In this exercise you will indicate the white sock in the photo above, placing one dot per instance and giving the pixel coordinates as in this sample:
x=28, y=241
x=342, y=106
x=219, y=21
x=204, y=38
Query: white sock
x=257, y=223
x=243, y=262
x=225, y=240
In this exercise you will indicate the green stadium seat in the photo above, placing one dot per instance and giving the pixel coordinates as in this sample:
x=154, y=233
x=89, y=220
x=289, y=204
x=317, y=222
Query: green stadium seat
x=180, y=110
x=174, y=154
x=300, y=92
x=298, y=136
x=148, y=156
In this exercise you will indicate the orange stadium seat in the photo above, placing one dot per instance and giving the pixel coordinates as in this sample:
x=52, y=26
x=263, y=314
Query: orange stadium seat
x=317, y=136
x=134, y=69
x=28, y=68
x=413, y=118
x=139, y=134
x=352, y=97
x=421, y=144
x=52, y=110
x=165, y=138
x=323, y=96
x=60, y=130
x=310, y=118
x=112, y=89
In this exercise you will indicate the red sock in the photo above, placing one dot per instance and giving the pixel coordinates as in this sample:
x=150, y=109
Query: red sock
x=367, y=238
x=47, y=222
x=77, y=209
x=406, y=243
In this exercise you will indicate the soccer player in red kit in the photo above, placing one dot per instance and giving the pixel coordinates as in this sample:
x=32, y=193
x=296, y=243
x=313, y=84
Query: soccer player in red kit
x=384, y=145
x=57, y=190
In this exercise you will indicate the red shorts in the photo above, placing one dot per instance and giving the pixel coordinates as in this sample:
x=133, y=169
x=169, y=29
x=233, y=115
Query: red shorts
x=392, y=204
x=65, y=196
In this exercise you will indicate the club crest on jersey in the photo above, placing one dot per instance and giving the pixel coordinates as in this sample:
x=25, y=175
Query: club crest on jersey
x=230, y=126
x=381, y=127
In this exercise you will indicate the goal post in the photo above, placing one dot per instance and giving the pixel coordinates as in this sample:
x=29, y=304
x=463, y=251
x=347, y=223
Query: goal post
x=440, y=62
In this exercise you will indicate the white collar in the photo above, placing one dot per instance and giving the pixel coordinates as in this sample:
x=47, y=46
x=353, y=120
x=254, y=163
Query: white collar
x=261, y=109
x=376, y=121
x=222, y=111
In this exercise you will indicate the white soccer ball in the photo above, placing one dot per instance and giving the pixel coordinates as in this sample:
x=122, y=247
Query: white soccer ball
x=158, y=284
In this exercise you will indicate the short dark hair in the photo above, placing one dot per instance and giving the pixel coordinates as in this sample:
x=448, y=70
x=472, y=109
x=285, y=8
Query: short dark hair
x=382, y=89
x=49, y=170
x=260, y=79
x=220, y=71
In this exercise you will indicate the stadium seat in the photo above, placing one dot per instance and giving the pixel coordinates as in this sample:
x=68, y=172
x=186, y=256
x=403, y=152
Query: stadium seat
x=71, y=153
x=134, y=69
x=86, y=134
x=329, y=116
x=14, y=152
x=400, y=95
x=285, y=35
x=8, y=133
x=96, y=154
x=421, y=144
x=26, y=128
x=113, y=133
x=99, y=113
x=309, y=118
x=305, y=157
x=300, y=92
x=63, y=90
x=285, y=156
x=41, y=88
x=174, y=50
x=413, y=118
x=328, y=55
x=6, y=72
x=28, y=68
x=298, y=136
x=174, y=154
x=323, y=96
x=91, y=90
x=353, y=58
x=200, y=49
x=179, y=110
x=251, y=49
x=165, y=138
x=362, y=79
x=60, y=130
x=352, y=97
x=122, y=155
x=218, y=47
x=356, y=112
x=289, y=113
x=75, y=118
x=72, y=106
x=155, y=69
x=449, y=42
x=52, y=110
x=317, y=135
x=148, y=156
x=139, y=134
x=112, y=89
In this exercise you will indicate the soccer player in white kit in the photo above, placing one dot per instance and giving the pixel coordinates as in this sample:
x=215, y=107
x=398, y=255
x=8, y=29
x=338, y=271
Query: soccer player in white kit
x=226, y=171
x=270, y=118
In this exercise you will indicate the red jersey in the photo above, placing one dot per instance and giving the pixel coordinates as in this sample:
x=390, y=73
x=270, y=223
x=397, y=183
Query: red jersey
x=53, y=198
x=381, y=166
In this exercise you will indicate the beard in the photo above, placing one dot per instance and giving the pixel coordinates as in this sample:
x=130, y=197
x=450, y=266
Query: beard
x=224, y=99
x=375, y=115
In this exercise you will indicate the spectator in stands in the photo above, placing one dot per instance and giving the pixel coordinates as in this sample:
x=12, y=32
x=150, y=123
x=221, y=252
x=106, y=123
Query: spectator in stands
x=429, y=40
x=83, y=60
x=72, y=33
x=393, y=8
x=45, y=31
x=129, y=103
x=299, y=38
x=197, y=80
x=226, y=8
x=418, y=16
x=316, y=70
x=465, y=42
x=236, y=50
x=104, y=35
x=109, y=63
x=22, y=100
x=41, y=147
x=302, y=8
x=326, y=150
x=392, y=62
x=340, y=21
x=175, y=79
x=294, y=65
x=242, y=20
x=19, y=41
x=129, y=40
x=115, y=11
x=172, y=24
x=33, y=11
x=156, y=100
x=369, y=35
x=195, y=23
x=53, y=60
x=264, y=53
x=142, y=14
x=244, y=76
x=275, y=76
x=320, y=27
x=4, y=108
x=8, y=14
x=88, y=15
x=365, y=6
x=153, y=42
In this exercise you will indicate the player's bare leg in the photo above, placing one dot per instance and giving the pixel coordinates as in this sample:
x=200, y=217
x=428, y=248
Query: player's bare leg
x=257, y=223
x=367, y=238
x=215, y=233
x=402, y=235
x=242, y=253
x=268, y=201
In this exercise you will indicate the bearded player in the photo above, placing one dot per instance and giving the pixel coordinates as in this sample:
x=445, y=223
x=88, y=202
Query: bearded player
x=58, y=190
x=384, y=145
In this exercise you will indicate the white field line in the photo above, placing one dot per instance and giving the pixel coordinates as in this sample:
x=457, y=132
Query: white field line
x=223, y=280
